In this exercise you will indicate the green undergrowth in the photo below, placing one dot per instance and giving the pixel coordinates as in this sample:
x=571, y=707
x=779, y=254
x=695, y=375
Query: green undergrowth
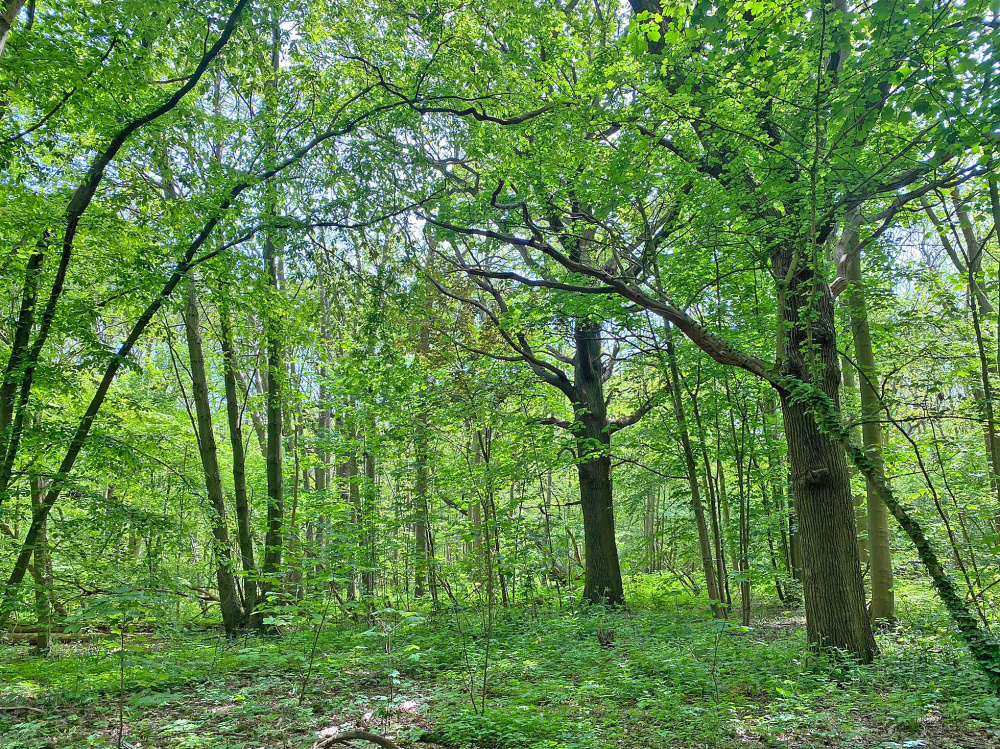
x=670, y=676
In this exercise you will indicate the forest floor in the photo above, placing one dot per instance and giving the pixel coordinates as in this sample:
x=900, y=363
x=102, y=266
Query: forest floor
x=670, y=678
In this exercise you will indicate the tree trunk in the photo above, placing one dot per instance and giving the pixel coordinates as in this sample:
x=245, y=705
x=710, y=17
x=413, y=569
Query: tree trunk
x=228, y=595
x=831, y=572
x=9, y=435
x=421, y=568
x=370, y=518
x=691, y=467
x=274, y=461
x=883, y=600
x=233, y=401
x=10, y=11
x=603, y=575
x=41, y=573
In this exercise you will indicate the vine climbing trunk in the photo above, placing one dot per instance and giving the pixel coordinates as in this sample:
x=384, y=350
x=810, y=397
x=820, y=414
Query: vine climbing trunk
x=831, y=572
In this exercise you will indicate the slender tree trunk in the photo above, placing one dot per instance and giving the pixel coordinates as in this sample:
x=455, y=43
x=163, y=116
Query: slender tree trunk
x=724, y=519
x=691, y=468
x=9, y=440
x=649, y=529
x=741, y=554
x=370, y=511
x=273, y=539
x=420, y=490
x=353, y=496
x=860, y=500
x=228, y=595
x=713, y=510
x=233, y=402
x=41, y=573
x=883, y=600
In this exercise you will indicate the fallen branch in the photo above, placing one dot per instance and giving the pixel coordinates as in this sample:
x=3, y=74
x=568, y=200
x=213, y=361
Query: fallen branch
x=348, y=736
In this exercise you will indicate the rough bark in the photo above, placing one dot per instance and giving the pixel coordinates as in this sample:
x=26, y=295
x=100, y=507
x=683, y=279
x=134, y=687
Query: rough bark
x=603, y=576
x=831, y=572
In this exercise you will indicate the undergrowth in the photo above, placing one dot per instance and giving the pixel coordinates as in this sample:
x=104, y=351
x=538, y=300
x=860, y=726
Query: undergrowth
x=671, y=677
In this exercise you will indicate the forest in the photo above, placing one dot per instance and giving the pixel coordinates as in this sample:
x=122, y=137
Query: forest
x=499, y=374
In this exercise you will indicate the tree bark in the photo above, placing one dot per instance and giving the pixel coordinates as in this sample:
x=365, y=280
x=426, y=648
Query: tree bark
x=879, y=549
x=41, y=573
x=603, y=576
x=831, y=572
x=229, y=603
x=10, y=11
x=691, y=468
x=239, y=464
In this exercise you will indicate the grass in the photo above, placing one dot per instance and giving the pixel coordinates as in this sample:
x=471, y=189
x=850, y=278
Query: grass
x=671, y=678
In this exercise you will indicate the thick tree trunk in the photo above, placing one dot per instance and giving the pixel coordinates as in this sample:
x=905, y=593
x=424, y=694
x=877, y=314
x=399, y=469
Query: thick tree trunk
x=831, y=573
x=228, y=596
x=603, y=575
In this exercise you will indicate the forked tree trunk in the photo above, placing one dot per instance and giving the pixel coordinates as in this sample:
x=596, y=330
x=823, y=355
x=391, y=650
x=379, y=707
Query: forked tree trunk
x=233, y=402
x=228, y=595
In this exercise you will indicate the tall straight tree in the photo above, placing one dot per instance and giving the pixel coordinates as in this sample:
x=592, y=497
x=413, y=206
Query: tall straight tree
x=883, y=606
x=229, y=602
x=274, y=459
